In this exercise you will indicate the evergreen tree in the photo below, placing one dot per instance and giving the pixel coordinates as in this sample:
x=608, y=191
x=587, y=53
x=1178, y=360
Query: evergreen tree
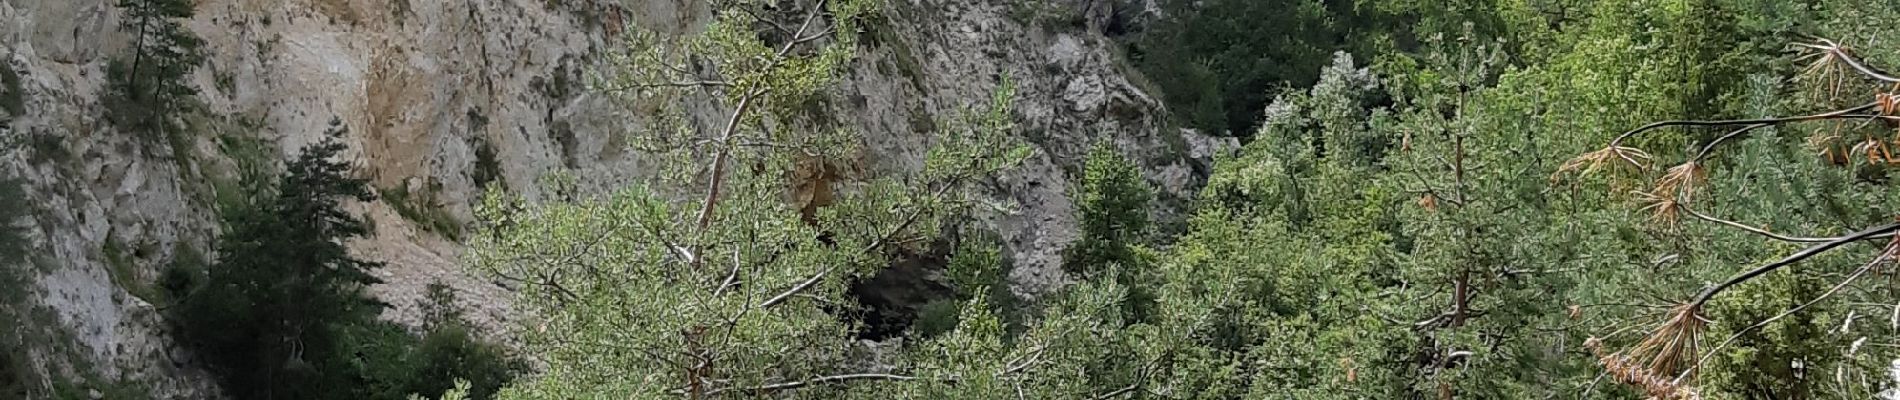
x=283, y=290
x=1112, y=211
x=149, y=89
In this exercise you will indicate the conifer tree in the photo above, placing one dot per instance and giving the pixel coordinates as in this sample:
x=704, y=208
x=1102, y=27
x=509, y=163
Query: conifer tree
x=150, y=88
x=1112, y=211
x=275, y=307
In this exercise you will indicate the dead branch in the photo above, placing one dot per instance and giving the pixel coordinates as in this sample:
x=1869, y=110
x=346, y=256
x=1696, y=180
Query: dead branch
x=1118, y=392
x=1618, y=141
x=1836, y=51
x=804, y=383
x=1766, y=233
x=1885, y=256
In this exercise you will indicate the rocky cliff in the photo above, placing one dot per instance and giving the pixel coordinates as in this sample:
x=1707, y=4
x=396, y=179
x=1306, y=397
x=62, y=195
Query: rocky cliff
x=443, y=98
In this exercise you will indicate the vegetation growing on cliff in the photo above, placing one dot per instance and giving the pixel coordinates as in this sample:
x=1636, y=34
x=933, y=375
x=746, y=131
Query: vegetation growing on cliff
x=281, y=313
x=16, y=371
x=1466, y=209
x=148, y=90
x=1493, y=199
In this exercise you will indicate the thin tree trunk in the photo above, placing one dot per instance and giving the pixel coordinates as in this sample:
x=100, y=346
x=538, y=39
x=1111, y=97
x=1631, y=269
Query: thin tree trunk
x=138, y=49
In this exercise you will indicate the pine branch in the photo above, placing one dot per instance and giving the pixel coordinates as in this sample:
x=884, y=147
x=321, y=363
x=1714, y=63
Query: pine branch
x=1885, y=256
x=1804, y=254
x=698, y=83
x=1838, y=114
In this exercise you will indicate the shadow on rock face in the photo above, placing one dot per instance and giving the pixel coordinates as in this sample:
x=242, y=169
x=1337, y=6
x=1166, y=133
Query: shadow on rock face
x=888, y=303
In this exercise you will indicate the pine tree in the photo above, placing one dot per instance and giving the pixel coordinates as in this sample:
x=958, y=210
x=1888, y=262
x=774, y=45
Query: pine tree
x=149, y=89
x=276, y=305
x=1112, y=211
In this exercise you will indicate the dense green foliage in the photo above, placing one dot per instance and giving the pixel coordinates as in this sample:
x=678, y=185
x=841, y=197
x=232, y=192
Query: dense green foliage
x=1457, y=213
x=1218, y=62
x=148, y=90
x=640, y=295
x=282, y=313
x=1112, y=208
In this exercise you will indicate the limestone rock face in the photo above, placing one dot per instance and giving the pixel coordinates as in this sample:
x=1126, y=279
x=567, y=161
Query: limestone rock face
x=442, y=98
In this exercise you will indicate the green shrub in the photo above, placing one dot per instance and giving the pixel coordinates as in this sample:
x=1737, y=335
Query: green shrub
x=936, y=318
x=122, y=267
x=185, y=273
x=1219, y=62
x=421, y=209
x=450, y=350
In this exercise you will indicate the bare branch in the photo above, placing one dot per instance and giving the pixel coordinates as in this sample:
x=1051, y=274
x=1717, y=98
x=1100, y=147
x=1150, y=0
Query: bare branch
x=802, y=27
x=703, y=83
x=1766, y=233
x=1710, y=148
x=1804, y=254
x=732, y=276
x=1885, y=256
x=802, y=286
x=754, y=14
x=816, y=36
x=724, y=157
x=746, y=101
x=809, y=382
x=1618, y=141
x=1015, y=366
